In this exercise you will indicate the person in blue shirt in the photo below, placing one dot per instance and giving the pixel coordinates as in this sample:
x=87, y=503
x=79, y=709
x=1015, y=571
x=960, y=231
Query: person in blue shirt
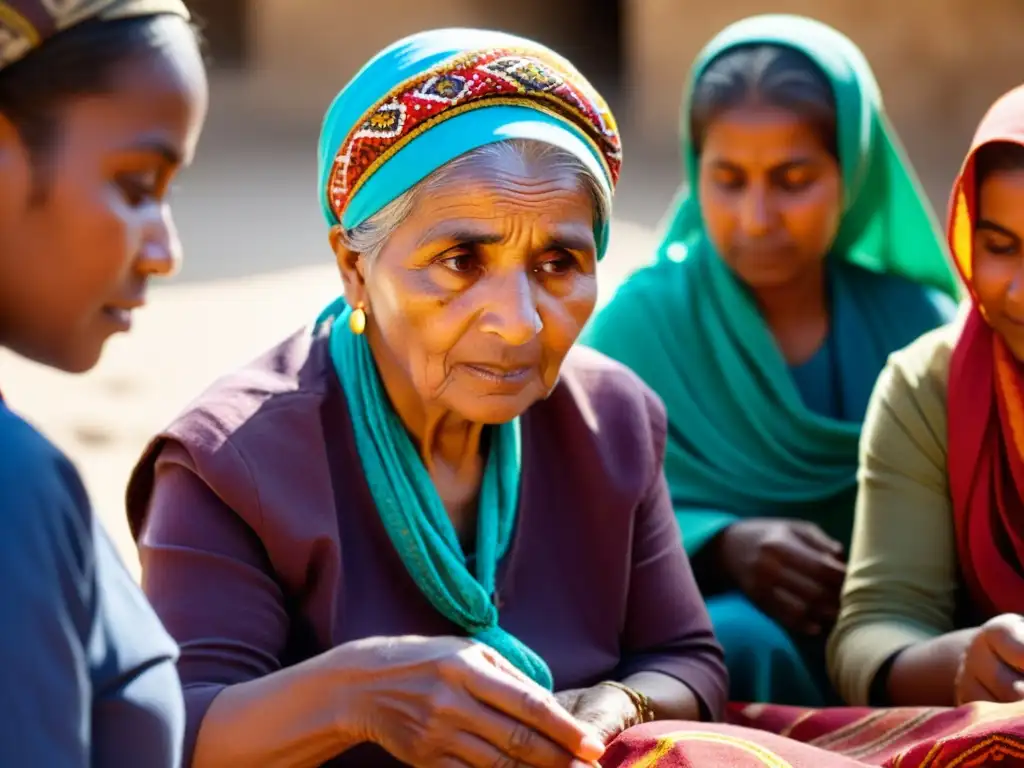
x=101, y=104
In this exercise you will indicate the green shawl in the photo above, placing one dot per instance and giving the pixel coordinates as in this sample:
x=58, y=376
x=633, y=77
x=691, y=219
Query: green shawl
x=741, y=441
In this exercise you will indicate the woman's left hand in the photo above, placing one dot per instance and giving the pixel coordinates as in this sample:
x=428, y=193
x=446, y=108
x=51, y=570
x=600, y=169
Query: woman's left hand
x=607, y=708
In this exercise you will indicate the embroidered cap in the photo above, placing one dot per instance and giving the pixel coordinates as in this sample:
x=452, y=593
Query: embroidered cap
x=431, y=97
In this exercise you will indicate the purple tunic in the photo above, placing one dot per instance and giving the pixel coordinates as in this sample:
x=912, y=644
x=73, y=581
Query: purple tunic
x=261, y=545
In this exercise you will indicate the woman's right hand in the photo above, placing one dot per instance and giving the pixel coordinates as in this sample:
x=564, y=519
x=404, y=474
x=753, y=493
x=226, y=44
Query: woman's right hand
x=992, y=667
x=447, y=701
x=790, y=569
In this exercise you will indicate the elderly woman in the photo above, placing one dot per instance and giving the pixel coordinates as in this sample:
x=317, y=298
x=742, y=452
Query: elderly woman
x=428, y=530
x=932, y=609
x=101, y=104
x=804, y=256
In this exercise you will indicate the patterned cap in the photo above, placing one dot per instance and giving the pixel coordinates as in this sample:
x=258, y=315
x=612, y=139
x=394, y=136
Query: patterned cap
x=27, y=24
x=430, y=97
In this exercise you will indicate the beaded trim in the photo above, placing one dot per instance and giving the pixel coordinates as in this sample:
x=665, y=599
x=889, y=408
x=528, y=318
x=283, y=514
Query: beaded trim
x=460, y=84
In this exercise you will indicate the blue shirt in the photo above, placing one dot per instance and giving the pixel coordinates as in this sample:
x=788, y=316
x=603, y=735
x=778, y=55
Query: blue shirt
x=87, y=673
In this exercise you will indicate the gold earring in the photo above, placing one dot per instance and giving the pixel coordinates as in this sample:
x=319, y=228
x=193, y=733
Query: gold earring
x=357, y=320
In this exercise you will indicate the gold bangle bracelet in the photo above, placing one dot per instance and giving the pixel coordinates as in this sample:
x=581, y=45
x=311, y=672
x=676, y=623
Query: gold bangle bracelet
x=644, y=710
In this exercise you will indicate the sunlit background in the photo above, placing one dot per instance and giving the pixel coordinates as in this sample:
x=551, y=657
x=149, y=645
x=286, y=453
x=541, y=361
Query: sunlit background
x=257, y=261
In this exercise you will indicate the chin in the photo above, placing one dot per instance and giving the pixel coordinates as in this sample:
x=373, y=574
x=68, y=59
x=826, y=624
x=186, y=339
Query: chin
x=70, y=351
x=491, y=409
x=767, y=279
x=76, y=359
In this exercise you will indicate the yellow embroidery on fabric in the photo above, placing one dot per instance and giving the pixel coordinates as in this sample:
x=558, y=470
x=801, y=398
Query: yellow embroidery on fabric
x=667, y=741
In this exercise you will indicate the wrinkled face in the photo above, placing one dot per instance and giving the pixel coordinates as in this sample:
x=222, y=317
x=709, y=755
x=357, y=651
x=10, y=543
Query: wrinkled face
x=998, y=274
x=477, y=297
x=75, y=261
x=770, y=194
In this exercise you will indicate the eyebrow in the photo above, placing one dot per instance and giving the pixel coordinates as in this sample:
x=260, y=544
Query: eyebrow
x=164, y=150
x=566, y=240
x=785, y=164
x=460, y=233
x=570, y=241
x=991, y=226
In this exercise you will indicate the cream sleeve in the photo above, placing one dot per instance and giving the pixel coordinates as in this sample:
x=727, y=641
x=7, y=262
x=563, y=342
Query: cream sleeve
x=902, y=579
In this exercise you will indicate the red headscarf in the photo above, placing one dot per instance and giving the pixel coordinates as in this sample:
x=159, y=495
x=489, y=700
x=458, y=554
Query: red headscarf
x=986, y=409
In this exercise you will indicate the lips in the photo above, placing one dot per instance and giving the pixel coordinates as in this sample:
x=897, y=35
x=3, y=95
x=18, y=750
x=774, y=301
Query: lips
x=499, y=380
x=120, y=312
x=498, y=373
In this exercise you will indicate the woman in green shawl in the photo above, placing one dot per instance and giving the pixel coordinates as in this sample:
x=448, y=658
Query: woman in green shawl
x=802, y=255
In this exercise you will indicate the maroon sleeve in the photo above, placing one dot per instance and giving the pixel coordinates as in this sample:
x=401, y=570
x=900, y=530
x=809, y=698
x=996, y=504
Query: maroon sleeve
x=231, y=633
x=667, y=628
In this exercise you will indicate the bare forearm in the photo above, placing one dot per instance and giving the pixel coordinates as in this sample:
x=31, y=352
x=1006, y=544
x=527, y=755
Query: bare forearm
x=294, y=718
x=924, y=673
x=670, y=699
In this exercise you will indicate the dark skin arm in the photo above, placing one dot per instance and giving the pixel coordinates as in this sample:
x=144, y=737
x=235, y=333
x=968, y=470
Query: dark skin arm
x=611, y=710
x=670, y=699
x=981, y=664
x=923, y=674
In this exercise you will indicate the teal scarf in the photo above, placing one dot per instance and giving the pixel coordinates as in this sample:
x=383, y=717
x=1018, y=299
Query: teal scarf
x=415, y=106
x=741, y=441
x=411, y=510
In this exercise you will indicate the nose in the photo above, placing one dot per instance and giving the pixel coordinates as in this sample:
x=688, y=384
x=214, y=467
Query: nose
x=160, y=255
x=1015, y=291
x=511, y=310
x=755, y=212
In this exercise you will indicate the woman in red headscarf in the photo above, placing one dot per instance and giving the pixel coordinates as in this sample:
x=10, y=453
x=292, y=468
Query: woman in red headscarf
x=931, y=610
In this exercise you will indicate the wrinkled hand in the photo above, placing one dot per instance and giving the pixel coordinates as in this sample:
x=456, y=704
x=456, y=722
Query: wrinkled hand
x=447, y=702
x=605, y=707
x=992, y=667
x=790, y=569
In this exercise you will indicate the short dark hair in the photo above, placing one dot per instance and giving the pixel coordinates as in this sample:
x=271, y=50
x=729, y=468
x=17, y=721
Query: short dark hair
x=78, y=61
x=772, y=75
x=997, y=156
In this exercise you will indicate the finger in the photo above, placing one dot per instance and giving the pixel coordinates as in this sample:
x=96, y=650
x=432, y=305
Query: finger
x=511, y=741
x=531, y=705
x=970, y=689
x=569, y=700
x=817, y=538
x=506, y=666
x=450, y=761
x=816, y=565
x=800, y=585
x=822, y=601
x=1006, y=639
x=467, y=749
x=996, y=677
x=788, y=609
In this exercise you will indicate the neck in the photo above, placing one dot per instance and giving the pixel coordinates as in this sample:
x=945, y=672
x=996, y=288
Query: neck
x=793, y=304
x=442, y=438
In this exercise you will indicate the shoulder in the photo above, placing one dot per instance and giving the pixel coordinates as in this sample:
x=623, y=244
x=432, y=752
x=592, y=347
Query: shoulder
x=931, y=305
x=46, y=525
x=648, y=298
x=608, y=385
x=655, y=279
x=621, y=416
x=287, y=375
x=923, y=365
x=35, y=475
x=242, y=421
x=911, y=391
